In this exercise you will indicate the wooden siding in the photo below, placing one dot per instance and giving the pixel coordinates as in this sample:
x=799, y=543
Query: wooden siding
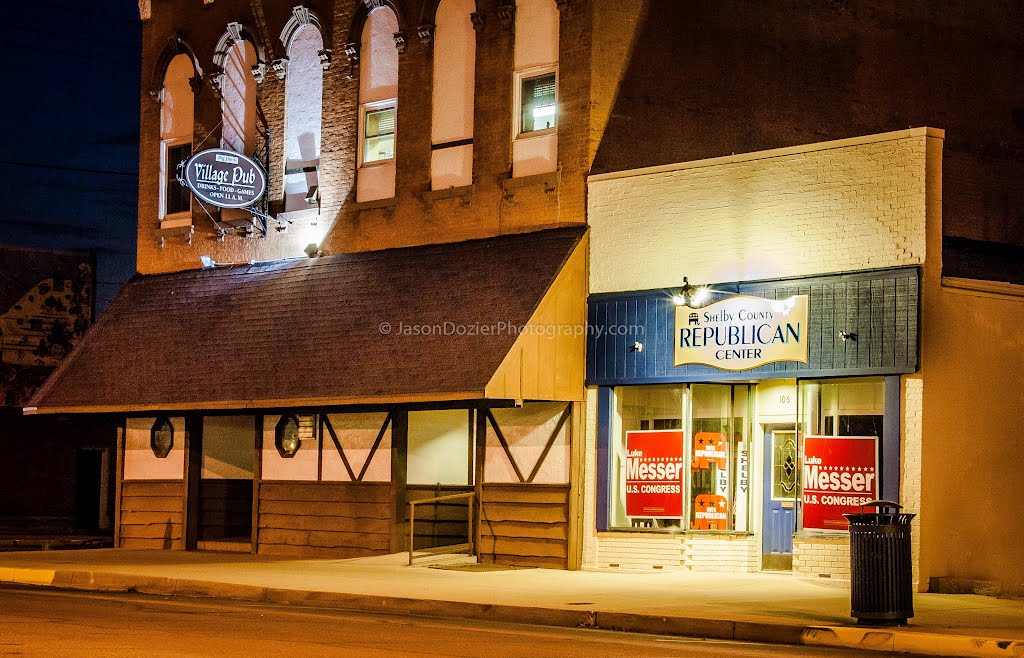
x=546, y=362
x=438, y=524
x=150, y=514
x=225, y=510
x=325, y=519
x=525, y=525
x=880, y=307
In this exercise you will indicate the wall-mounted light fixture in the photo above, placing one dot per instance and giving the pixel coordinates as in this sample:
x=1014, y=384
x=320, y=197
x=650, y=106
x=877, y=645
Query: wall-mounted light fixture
x=694, y=296
x=848, y=335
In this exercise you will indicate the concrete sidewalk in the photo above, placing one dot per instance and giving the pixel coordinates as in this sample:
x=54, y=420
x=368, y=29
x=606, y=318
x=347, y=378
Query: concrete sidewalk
x=752, y=607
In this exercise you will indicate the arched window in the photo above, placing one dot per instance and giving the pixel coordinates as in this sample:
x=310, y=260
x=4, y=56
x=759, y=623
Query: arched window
x=177, y=106
x=303, y=110
x=535, y=148
x=378, y=92
x=451, y=161
x=238, y=98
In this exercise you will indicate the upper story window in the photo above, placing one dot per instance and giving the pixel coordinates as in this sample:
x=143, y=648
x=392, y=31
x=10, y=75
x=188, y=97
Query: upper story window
x=303, y=112
x=538, y=109
x=451, y=162
x=535, y=143
x=238, y=98
x=378, y=98
x=379, y=133
x=177, y=105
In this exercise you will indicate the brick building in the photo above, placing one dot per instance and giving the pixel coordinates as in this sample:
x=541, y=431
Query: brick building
x=783, y=169
x=427, y=168
x=401, y=316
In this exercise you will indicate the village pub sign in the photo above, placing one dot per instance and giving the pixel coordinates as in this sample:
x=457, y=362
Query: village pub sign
x=225, y=179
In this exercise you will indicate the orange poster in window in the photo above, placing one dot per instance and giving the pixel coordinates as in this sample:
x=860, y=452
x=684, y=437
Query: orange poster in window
x=710, y=513
x=709, y=448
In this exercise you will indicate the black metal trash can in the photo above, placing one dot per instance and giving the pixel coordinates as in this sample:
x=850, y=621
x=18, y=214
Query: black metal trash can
x=881, y=574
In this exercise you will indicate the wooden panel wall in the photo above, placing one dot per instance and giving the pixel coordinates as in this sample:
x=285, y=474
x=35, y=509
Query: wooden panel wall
x=225, y=510
x=525, y=525
x=151, y=514
x=325, y=519
x=548, y=358
x=443, y=523
x=881, y=307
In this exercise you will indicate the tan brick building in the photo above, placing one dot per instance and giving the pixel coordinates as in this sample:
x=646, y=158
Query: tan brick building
x=913, y=363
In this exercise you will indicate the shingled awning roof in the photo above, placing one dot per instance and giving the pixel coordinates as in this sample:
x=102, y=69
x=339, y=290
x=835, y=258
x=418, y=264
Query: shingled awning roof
x=309, y=332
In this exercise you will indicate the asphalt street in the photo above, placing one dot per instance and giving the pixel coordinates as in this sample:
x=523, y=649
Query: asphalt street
x=61, y=623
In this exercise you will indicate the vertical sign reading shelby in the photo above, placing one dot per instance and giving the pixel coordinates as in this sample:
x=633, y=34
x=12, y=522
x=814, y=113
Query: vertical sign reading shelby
x=225, y=179
x=654, y=474
x=840, y=475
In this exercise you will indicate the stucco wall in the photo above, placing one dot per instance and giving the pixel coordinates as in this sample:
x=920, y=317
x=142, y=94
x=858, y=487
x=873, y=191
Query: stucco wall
x=972, y=360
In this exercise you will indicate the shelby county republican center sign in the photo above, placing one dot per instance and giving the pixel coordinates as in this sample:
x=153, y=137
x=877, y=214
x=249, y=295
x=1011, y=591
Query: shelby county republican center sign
x=740, y=333
x=225, y=179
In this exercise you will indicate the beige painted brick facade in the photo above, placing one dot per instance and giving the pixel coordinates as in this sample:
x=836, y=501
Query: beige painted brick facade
x=628, y=551
x=825, y=208
x=822, y=555
x=852, y=204
x=910, y=462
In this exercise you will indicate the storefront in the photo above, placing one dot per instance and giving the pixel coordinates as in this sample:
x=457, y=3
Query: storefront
x=796, y=423
x=298, y=407
x=733, y=420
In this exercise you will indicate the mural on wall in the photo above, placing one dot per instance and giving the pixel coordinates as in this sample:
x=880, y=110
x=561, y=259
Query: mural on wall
x=46, y=304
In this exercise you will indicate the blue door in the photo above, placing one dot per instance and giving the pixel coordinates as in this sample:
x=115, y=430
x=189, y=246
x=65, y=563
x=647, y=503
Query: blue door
x=781, y=477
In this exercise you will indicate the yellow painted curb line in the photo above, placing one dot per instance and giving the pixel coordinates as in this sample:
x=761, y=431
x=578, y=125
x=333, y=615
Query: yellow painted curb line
x=935, y=644
x=33, y=576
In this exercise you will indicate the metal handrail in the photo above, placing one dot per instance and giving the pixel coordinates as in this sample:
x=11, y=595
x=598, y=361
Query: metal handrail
x=470, y=495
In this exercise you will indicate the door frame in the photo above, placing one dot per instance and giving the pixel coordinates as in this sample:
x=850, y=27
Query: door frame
x=781, y=562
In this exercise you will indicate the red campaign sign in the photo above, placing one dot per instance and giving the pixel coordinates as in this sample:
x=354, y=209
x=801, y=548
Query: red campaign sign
x=840, y=475
x=654, y=474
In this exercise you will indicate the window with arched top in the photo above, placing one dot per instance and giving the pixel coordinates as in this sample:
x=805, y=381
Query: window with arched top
x=378, y=97
x=535, y=144
x=177, y=104
x=238, y=98
x=451, y=132
x=303, y=111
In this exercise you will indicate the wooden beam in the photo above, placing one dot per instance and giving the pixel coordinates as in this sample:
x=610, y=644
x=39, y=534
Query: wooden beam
x=122, y=430
x=337, y=445
x=504, y=445
x=577, y=477
x=257, y=476
x=376, y=444
x=399, y=475
x=192, y=474
x=551, y=441
x=480, y=438
x=270, y=403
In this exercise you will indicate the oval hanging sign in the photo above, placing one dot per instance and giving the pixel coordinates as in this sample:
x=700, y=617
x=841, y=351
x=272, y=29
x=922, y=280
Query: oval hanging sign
x=225, y=179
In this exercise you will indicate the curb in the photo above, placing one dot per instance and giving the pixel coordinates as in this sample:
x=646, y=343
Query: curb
x=872, y=639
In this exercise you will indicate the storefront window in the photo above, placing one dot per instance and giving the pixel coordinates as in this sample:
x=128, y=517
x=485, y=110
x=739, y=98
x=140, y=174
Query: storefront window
x=842, y=407
x=680, y=457
x=648, y=424
x=841, y=423
x=719, y=468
